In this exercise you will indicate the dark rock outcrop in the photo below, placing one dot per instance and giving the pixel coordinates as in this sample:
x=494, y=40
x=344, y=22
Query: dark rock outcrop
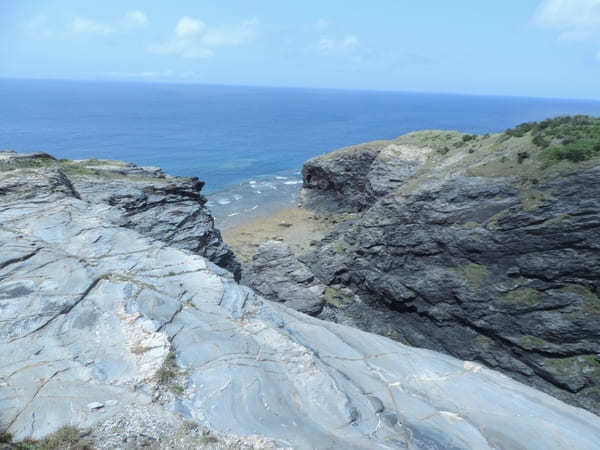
x=170, y=209
x=467, y=247
x=277, y=275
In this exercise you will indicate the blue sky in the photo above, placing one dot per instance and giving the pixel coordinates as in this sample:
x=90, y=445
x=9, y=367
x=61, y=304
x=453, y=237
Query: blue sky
x=548, y=48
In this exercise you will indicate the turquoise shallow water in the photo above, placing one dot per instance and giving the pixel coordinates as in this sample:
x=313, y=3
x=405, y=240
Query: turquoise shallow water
x=229, y=135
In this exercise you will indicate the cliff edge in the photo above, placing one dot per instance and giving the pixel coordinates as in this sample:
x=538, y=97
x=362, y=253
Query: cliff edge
x=108, y=328
x=482, y=247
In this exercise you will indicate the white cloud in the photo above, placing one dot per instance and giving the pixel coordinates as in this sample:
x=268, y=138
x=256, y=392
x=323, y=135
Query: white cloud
x=185, y=48
x=569, y=15
x=230, y=36
x=88, y=26
x=186, y=26
x=135, y=18
x=574, y=20
x=348, y=44
x=194, y=40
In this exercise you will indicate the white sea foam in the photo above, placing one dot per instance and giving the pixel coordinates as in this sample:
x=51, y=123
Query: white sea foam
x=237, y=197
x=233, y=214
x=223, y=201
x=293, y=182
x=254, y=207
x=281, y=178
x=252, y=182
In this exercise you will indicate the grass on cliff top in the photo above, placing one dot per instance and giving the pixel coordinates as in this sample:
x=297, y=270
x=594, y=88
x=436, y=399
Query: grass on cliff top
x=530, y=153
x=67, y=166
x=65, y=438
x=92, y=167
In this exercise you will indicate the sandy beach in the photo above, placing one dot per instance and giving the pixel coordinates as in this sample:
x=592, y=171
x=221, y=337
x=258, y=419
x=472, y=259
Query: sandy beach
x=297, y=227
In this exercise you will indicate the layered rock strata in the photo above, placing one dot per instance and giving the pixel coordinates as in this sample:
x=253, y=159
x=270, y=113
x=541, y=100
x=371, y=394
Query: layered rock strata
x=486, y=248
x=104, y=327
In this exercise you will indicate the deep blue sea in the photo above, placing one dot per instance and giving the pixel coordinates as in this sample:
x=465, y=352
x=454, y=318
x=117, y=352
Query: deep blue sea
x=225, y=135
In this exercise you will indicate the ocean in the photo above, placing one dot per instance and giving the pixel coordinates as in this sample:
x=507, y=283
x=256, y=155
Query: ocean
x=233, y=137
x=226, y=135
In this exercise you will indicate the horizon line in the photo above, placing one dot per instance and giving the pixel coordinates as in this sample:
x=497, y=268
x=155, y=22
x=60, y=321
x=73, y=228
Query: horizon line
x=241, y=85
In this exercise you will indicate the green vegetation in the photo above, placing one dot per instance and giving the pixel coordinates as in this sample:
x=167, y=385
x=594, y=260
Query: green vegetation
x=484, y=343
x=532, y=199
x=532, y=342
x=5, y=437
x=167, y=374
x=522, y=156
x=522, y=296
x=557, y=219
x=167, y=371
x=474, y=274
x=209, y=439
x=335, y=296
x=107, y=169
x=582, y=365
x=65, y=438
x=574, y=139
x=590, y=304
x=177, y=389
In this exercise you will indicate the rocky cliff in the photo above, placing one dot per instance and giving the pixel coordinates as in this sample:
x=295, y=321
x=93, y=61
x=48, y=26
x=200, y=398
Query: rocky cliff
x=106, y=326
x=170, y=209
x=483, y=247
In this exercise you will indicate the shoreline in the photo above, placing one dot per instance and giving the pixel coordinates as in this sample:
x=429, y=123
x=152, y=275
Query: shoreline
x=297, y=227
x=254, y=198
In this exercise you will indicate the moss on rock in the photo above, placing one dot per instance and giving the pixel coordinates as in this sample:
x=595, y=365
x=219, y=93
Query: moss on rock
x=474, y=274
x=522, y=296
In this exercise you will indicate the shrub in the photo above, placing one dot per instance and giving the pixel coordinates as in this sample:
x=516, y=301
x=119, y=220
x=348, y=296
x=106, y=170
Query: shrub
x=468, y=137
x=167, y=370
x=520, y=130
x=572, y=152
x=177, y=389
x=67, y=437
x=522, y=156
x=540, y=141
x=5, y=437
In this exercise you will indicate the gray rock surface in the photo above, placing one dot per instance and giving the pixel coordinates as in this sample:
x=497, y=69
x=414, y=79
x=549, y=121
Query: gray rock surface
x=277, y=275
x=170, y=209
x=93, y=312
x=472, y=250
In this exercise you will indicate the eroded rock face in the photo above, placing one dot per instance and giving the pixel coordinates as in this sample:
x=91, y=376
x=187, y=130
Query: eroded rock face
x=474, y=251
x=98, y=320
x=277, y=275
x=170, y=209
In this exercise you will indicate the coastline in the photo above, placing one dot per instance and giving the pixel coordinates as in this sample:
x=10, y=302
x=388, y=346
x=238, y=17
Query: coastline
x=268, y=207
x=254, y=198
x=296, y=227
